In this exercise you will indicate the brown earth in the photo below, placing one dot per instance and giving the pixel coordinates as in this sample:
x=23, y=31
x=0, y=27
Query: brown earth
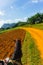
x=38, y=38
x=7, y=43
x=7, y=40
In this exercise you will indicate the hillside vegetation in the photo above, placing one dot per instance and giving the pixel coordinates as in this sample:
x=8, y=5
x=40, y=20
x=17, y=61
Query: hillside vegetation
x=31, y=54
x=33, y=20
x=38, y=26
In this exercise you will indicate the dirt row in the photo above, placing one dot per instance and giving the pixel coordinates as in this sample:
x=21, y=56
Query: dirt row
x=7, y=43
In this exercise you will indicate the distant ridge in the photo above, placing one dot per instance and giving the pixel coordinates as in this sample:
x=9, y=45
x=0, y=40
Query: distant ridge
x=7, y=25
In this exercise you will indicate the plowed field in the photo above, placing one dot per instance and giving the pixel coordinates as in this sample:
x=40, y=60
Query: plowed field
x=7, y=43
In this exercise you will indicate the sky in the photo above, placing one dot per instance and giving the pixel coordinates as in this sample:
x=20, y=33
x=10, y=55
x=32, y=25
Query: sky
x=12, y=11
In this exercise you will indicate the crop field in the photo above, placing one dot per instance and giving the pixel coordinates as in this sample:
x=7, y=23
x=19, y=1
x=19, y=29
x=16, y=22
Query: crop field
x=31, y=54
x=32, y=48
x=7, y=43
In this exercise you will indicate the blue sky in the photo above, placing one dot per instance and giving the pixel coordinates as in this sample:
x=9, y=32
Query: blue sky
x=12, y=11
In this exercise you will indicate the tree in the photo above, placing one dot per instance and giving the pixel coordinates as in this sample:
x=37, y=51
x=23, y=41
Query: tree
x=37, y=18
x=42, y=17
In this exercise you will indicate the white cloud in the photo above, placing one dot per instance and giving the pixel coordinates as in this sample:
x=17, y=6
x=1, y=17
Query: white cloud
x=21, y=19
x=12, y=21
x=4, y=3
x=5, y=21
x=2, y=13
x=29, y=2
x=35, y=1
x=1, y=22
x=11, y=7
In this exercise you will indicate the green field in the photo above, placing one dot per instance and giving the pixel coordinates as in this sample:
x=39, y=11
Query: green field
x=31, y=55
x=38, y=26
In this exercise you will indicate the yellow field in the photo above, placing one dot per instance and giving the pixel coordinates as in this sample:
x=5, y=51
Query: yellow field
x=38, y=37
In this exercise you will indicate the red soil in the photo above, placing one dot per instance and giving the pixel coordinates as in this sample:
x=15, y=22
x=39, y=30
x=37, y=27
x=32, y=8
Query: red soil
x=7, y=43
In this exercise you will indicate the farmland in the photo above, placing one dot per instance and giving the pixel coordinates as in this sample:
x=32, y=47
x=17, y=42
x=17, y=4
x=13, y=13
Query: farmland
x=30, y=48
x=31, y=54
x=7, y=43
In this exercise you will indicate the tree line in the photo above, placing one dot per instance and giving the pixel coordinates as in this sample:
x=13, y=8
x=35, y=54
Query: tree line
x=37, y=18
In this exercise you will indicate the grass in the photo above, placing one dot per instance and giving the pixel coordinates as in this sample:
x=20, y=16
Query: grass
x=38, y=26
x=31, y=55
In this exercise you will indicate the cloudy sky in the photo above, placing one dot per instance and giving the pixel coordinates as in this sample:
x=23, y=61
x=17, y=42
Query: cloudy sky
x=15, y=10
